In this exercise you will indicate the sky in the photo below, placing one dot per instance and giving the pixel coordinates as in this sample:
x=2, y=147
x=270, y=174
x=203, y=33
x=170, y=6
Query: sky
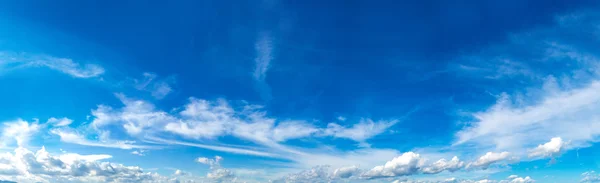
x=300, y=91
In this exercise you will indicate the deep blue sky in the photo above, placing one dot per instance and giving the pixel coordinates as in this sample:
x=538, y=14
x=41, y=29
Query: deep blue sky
x=438, y=78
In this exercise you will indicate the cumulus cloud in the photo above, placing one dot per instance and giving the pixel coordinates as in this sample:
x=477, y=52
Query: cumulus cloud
x=407, y=164
x=511, y=179
x=346, y=172
x=217, y=173
x=25, y=166
x=489, y=158
x=210, y=162
x=315, y=174
x=139, y=152
x=518, y=180
x=18, y=131
x=181, y=173
x=11, y=60
x=453, y=165
x=549, y=149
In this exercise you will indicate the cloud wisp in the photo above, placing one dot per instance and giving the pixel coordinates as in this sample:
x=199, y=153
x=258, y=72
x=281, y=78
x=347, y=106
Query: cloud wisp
x=11, y=61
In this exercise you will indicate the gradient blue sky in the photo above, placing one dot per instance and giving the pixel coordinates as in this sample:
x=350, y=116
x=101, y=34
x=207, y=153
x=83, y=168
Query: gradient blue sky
x=300, y=91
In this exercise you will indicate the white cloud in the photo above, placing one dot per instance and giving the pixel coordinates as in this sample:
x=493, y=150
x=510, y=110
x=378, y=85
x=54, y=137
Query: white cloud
x=549, y=149
x=139, y=152
x=181, y=173
x=515, y=179
x=346, y=172
x=26, y=166
x=509, y=126
x=292, y=130
x=315, y=174
x=18, y=131
x=70, y=136
x=205, y=119
x=158, y=88
x=453, y=165
x=264, y=51
x=518, y=180
x=217, y=173
x=552, y=94
x=234, y=150
x=208, y=161
x=361, y=131
x=136, y=116
x=489, y=158
x=590, y=177
x=11, y=60
x=407, y=164
x=60, y=122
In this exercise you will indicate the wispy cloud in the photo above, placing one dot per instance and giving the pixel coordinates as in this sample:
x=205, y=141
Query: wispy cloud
x=211, y=147
x=11, y=60
x=560, y=81
x=264, y=56
x=70, y=136
x=159, y=89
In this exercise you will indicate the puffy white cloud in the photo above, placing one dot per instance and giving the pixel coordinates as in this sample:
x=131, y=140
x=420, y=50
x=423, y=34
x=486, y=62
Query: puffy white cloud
x=511, y=179
x=60, y=122
x=453, y=165
x=221, y=175
x=489, y=158
x=549, y=149
x=361, y=131
x=407, y=164
x=139, y=152
x=217, y=173
x=211, y=162
x=18, y=131
x=346, y=172
x=518, y=180
x=181, y=173
x=315, y=174
x=26, y=166
x=13, y=60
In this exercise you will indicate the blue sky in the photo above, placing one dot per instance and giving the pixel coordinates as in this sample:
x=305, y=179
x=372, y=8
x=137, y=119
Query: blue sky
x=307, y=91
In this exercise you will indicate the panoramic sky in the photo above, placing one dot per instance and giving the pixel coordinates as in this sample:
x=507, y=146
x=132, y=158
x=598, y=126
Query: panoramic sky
x=300, y=91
